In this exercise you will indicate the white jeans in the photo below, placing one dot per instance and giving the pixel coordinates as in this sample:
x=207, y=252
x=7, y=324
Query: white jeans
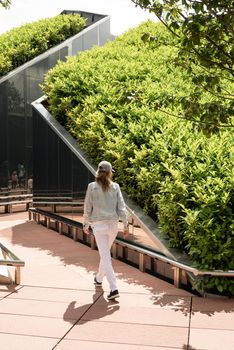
x=105, y=233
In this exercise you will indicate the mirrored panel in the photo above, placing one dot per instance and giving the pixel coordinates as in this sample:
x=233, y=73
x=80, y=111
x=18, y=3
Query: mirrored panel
x=17, y=92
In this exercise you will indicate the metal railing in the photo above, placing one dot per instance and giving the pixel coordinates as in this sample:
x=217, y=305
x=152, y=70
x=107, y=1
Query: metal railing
x=10, y=259
x=178, y=267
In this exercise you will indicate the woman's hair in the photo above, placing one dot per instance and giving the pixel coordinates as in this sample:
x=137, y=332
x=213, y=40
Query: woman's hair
x=103, y=178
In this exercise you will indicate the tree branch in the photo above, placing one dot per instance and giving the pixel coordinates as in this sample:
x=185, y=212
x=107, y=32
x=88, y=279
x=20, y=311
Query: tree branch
x=194, y=120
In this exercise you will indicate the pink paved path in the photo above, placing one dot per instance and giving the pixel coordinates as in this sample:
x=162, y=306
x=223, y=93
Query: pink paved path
x=58, y=307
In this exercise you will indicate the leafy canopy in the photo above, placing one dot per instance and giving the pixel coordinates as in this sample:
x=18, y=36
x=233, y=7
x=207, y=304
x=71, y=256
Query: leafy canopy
x=5, y=3
x=204, y=32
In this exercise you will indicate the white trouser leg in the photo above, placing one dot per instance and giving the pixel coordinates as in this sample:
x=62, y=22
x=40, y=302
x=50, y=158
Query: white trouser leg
x=105, y=234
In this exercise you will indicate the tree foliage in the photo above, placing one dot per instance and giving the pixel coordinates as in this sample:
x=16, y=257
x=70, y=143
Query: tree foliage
x=205, y=37
x=5, y=3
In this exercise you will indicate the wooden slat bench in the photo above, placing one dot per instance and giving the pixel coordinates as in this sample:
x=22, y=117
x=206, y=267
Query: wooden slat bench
x=8, y=201
x=79, y=205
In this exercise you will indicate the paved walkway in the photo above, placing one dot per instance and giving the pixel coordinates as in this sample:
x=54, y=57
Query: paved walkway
x=58, y=307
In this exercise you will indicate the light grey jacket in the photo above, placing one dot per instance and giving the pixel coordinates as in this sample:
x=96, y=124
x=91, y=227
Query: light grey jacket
x=100, y=205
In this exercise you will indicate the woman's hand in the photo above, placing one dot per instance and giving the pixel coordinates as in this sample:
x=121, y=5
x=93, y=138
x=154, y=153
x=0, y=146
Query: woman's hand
x=86, y=230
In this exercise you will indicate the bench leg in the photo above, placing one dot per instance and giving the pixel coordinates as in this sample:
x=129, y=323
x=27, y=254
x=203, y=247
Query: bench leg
x=17, y=275
x=142, y=262
x=48, y=222
x=60, y=228
x=114, y=250
x=177, y=277
x=74, y=233
x=93, y=242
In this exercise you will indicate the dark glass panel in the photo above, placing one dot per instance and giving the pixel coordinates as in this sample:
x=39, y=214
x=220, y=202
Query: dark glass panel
x=16, y=141
x=81, y=176
x=4, y=168
x=90, y=38
x=40, y=152
x=65, y=170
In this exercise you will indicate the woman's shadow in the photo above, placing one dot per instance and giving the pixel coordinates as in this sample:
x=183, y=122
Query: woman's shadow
x=97, y=309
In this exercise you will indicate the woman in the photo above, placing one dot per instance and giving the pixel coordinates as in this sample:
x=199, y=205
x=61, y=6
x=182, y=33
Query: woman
x=104, y=206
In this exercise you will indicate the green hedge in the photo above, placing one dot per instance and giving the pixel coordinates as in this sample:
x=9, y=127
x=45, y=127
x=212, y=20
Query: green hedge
x=111, y=99
x=21, y=44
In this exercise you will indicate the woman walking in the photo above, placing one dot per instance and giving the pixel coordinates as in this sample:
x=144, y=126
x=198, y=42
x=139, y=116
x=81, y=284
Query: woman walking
x=104, y=206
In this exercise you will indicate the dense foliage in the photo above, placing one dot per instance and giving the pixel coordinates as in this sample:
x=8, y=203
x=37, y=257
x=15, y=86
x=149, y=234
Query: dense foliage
x=117, y=101
x=21, y=44
x=204, y=30
x=5, y=3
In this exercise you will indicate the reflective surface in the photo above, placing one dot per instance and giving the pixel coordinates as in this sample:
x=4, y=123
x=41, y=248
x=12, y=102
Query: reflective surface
x=59, y=176
x=17, y=91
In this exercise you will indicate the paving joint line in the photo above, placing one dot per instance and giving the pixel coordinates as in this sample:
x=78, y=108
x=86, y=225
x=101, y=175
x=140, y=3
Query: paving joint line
x=77, y=321
x=189, y=325
x=14, y=291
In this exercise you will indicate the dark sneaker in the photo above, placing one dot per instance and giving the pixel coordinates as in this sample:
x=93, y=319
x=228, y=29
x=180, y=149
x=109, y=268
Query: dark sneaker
x=98, y=284
x=113, y=295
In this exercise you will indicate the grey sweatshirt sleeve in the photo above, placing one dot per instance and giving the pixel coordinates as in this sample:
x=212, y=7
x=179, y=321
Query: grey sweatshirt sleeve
x=88, y=207
x=121, y=208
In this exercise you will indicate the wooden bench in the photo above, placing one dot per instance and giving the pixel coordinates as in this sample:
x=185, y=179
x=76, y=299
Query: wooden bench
x=10, y=200
x=8, y=205
x=55, y=204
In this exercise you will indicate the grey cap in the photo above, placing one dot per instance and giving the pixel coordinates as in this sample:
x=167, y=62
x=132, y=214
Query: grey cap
x=105, y=166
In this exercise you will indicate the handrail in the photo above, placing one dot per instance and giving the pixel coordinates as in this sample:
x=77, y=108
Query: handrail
x=144, y=251
x=182, y=266
x=14, y=261
x=10, y=259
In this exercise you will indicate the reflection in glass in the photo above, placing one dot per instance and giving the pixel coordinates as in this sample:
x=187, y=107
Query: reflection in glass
x=17, y=92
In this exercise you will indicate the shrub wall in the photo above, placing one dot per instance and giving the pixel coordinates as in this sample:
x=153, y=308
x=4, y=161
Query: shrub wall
x=21, y=44
x=117, y=102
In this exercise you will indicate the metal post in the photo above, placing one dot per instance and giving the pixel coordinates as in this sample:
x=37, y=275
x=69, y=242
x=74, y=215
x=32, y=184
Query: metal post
x=36, y=217
x=142, y=262
x=47, y=222
x=17, y=275
x=177, y=277
x=74, y=233
x=132, y=226
x=125, y=253
x=114, y=250
x=152, y=264
x=60, y=228
x=93, y=242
